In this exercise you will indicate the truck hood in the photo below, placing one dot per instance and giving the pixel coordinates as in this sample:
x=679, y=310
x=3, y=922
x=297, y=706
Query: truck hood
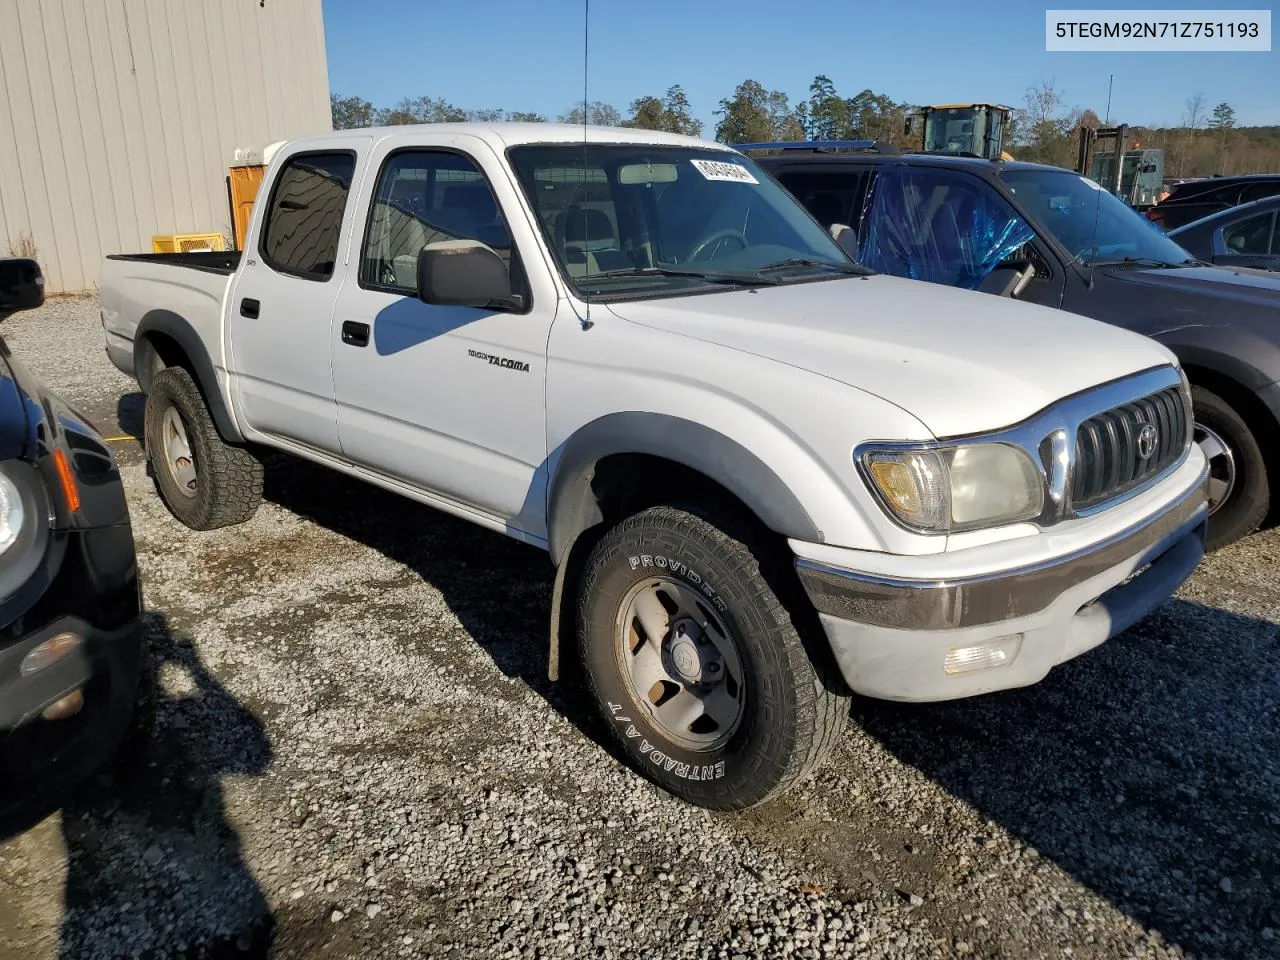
x=961, y=362
x=1229, y=284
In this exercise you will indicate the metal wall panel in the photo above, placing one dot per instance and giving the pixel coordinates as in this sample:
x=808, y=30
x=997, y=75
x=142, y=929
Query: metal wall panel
x=118, y=118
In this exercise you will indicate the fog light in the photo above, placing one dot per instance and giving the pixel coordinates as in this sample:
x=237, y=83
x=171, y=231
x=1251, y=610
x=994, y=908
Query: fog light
x=49, y=652
x=68, y=706
x=984, y=656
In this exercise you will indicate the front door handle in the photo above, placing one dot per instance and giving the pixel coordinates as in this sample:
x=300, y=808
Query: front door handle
x=356, y=334
x=249, y=308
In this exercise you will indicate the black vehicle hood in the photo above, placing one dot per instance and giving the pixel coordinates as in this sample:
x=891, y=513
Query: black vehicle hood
x=1258, y=288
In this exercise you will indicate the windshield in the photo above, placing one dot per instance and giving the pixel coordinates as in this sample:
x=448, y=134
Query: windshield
x=1095, y=227
x=641, y=220
x=957, y=130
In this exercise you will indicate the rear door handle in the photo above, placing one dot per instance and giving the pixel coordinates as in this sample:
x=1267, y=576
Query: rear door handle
x=356, y=334
x=249, y=308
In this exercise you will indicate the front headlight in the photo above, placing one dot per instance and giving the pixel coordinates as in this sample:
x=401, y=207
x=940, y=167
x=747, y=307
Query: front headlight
x=945, y=489
x=12, y=513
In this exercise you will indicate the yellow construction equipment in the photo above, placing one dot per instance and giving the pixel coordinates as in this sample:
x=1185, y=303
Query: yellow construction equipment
x=964, y=129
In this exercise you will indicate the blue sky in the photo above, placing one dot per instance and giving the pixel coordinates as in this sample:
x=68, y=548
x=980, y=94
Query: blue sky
x=527, y=55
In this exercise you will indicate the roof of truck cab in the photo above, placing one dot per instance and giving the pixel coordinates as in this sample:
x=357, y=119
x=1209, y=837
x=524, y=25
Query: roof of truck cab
x=502, y=135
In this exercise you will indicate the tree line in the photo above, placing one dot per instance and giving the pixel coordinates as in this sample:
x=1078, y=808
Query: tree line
x=1046, y=128
x=669, y=112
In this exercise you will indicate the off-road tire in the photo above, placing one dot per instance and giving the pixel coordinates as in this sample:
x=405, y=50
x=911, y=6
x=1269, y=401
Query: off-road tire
x=1246, y=507
x=795, y=704
x=229, y=478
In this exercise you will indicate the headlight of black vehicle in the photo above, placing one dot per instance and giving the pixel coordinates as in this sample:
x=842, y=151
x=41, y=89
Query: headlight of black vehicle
x=24, y=524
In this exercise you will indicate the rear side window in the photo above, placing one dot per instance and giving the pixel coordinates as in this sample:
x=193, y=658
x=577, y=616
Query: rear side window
x=304, y=217
x=1259, y=191
x=829, y=197
x=1252, y=236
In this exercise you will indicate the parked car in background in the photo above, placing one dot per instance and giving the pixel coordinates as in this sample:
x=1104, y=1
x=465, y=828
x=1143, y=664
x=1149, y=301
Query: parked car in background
x=70, y=635
x=1243, y=236
x=1193, y=199
x=763, y=476
x=980, y=224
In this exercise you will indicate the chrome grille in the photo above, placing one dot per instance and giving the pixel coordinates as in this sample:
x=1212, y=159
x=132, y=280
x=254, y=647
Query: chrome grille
x=1109, y=458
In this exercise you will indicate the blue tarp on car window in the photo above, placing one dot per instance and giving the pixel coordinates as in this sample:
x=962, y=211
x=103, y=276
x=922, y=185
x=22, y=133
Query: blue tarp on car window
x=944, y=226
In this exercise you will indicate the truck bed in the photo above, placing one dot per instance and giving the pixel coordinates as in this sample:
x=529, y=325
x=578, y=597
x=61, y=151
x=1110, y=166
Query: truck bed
x=180, y=291
x=211, y=262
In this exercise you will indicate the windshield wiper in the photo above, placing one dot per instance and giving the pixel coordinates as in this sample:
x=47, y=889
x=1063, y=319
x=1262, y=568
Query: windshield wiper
x=744, y=278
x=1137, y=262
x=853, y=269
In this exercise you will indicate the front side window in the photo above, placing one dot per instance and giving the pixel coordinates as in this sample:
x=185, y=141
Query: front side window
x=1252, y=236
x=426, y=196
x=640, y=220
x=929, y=223
x=1096, y=228
x=304, y=217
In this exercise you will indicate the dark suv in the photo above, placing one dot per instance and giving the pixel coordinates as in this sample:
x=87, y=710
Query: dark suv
x=1049, y=236
x=1193, y=199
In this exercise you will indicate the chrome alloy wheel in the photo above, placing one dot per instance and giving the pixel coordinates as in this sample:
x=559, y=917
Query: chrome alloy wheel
x=680, y=663
x=1222, y=466
x=178, y=459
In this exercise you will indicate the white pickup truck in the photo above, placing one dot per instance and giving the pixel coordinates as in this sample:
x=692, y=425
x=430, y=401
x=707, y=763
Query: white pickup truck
x=764, y=477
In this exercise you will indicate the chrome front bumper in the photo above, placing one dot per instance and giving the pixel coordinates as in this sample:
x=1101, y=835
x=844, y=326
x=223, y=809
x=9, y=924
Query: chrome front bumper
x=891, y=637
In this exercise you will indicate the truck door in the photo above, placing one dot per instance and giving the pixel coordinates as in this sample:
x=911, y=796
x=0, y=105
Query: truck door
x=281, y=305
x=448, y=399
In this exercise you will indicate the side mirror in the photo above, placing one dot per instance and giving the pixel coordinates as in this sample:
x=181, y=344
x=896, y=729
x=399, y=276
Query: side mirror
x=847, y=238
x=1008, y=280
x=463, y=273
x=21, y=286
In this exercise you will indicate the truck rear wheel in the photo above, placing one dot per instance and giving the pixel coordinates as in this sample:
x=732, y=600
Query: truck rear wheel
x=204, y=481
x=696, y=665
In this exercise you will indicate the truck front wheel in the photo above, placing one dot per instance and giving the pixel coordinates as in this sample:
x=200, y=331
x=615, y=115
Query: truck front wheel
x=204, y=481
x=696, y=664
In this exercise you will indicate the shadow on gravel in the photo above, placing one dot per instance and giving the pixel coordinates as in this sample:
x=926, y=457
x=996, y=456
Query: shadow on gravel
x=498, y=588
x=154, y=868
x=131, y=411
x=1148, y=769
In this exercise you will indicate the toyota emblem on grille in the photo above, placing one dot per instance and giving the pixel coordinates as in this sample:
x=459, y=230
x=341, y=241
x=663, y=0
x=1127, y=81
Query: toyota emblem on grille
x=1147, y=439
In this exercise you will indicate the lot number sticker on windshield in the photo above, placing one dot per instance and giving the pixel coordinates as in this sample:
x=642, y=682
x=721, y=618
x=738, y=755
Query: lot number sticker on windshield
x=719, y=170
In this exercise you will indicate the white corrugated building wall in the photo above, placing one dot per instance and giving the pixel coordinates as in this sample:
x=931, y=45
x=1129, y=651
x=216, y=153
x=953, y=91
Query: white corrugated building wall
x=119, y=118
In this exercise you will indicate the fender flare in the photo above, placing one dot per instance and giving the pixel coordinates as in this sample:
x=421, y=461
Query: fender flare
x=178, y=329
x=1223, y=364
x=572, y=506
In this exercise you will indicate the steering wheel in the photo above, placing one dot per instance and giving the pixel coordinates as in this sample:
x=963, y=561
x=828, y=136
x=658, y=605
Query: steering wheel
x=713, y=241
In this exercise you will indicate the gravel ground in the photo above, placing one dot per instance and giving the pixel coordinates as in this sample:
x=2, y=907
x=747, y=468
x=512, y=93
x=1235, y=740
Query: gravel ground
x=358, y=755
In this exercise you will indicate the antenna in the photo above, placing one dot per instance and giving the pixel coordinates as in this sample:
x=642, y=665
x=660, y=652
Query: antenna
x=586, y=52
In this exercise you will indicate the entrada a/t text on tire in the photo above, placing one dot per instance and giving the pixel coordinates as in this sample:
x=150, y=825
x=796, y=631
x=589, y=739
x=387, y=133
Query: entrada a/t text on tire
x=696, y=664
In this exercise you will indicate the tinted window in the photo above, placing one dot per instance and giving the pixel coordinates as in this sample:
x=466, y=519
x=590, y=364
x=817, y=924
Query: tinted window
x=1249, y=236
x=1257, y=191
x=830, y=197
x=304, y=219
x=424, y=197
